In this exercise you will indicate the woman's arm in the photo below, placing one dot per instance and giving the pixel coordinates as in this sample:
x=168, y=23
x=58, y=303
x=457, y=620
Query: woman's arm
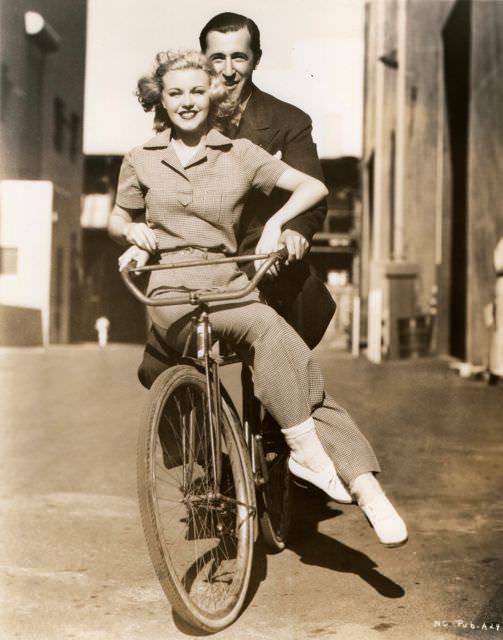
x=124, y=230
x=299, y=151
x=305, y=193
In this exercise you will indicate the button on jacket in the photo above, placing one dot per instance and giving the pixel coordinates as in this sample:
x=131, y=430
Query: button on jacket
x=198, y=205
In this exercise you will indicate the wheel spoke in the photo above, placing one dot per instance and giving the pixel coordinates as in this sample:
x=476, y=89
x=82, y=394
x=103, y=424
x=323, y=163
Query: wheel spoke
x=204, y=537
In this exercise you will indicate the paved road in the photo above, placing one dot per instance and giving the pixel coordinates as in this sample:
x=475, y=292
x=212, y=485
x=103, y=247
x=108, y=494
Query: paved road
x=73, y=559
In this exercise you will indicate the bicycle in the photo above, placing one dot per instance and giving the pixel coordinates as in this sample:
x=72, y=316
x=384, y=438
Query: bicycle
x=204, y=479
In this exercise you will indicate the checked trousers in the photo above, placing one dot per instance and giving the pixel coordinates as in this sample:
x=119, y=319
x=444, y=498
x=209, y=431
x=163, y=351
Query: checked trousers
x=287, y=380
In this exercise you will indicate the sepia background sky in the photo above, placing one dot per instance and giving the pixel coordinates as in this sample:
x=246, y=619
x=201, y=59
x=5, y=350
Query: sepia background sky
x=312, y=57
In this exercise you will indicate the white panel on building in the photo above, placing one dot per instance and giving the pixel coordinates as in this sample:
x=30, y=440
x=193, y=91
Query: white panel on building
x=25, y=234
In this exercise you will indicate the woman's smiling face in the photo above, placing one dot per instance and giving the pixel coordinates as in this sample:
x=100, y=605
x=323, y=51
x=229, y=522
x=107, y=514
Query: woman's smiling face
x=186, y=98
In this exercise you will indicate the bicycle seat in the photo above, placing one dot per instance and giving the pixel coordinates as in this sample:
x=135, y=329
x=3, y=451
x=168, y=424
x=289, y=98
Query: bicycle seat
x=160, y=349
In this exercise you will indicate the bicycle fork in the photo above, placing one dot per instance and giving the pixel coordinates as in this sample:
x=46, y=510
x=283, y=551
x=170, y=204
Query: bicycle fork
x=203, y=334
x=214, y=406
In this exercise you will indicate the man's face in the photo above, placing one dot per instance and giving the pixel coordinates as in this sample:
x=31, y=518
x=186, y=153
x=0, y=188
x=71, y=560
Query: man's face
x=231, y=56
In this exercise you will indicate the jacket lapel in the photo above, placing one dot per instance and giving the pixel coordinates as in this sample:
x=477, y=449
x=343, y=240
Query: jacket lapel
x=257, y=122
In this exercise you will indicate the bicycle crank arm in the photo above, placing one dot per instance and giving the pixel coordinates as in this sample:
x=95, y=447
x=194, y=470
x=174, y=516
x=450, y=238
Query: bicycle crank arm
x=195, y=500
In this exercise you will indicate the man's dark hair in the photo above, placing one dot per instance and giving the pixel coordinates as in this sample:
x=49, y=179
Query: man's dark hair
x=225, y=22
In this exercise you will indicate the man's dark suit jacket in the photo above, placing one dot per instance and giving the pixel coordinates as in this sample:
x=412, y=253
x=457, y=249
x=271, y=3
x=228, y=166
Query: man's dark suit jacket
x=297, y=294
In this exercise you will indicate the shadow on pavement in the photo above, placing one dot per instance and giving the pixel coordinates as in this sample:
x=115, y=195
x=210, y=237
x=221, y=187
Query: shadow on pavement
x=315, y=548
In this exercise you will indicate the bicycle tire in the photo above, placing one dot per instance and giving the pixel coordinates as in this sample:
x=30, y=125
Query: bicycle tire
x=200, y=544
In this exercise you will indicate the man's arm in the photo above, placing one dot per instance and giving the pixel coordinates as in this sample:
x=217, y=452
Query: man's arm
x=299, y=151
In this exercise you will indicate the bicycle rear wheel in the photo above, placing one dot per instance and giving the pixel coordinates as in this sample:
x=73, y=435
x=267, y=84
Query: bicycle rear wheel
x=275, y=510
x=200, y=539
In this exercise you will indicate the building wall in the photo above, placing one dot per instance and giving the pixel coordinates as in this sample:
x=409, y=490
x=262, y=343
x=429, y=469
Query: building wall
x=416, y=227
x=26, y=264
x=41, y=129
x=379, y=141
x=485, y=224
x=423, y=126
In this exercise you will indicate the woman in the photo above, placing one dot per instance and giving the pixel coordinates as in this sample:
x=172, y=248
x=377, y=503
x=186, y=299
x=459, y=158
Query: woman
x=193, y=181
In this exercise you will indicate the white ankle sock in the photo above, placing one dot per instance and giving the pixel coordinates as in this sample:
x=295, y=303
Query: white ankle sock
x=365, y=488
x=306, y=447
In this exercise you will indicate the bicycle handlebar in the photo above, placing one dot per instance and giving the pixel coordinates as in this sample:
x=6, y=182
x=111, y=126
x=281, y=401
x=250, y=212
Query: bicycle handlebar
x=197, y=296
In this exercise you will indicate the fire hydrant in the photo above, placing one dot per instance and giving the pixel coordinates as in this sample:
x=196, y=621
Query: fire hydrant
x=102, y=325
x=496, y=349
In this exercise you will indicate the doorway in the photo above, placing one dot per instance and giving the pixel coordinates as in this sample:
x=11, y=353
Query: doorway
x=457, y=50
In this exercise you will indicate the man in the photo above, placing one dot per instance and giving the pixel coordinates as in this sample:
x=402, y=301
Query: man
x=232, y=44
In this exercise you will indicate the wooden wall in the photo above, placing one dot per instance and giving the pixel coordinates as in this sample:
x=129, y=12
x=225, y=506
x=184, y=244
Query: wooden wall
x=485, y=223
x=434, y=204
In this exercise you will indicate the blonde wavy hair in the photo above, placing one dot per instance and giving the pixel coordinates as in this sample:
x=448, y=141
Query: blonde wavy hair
x=150, y=87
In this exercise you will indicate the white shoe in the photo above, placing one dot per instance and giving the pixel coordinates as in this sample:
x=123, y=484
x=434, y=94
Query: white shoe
x=388, y=525
x=326, y=480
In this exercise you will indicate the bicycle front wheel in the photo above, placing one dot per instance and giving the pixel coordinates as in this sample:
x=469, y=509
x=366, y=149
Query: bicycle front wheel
x=197, y=512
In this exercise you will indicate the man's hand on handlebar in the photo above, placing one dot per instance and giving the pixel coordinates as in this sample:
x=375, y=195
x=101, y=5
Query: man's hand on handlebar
x=133, y=254
x=296, y=244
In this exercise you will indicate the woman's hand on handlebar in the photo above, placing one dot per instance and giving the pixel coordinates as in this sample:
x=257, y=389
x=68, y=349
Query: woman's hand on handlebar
x=141, y=235
x=268, y=242
x=133, y=254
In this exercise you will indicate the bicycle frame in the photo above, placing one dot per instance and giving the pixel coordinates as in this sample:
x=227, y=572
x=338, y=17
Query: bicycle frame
x=206, y=360
x=210, y=364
